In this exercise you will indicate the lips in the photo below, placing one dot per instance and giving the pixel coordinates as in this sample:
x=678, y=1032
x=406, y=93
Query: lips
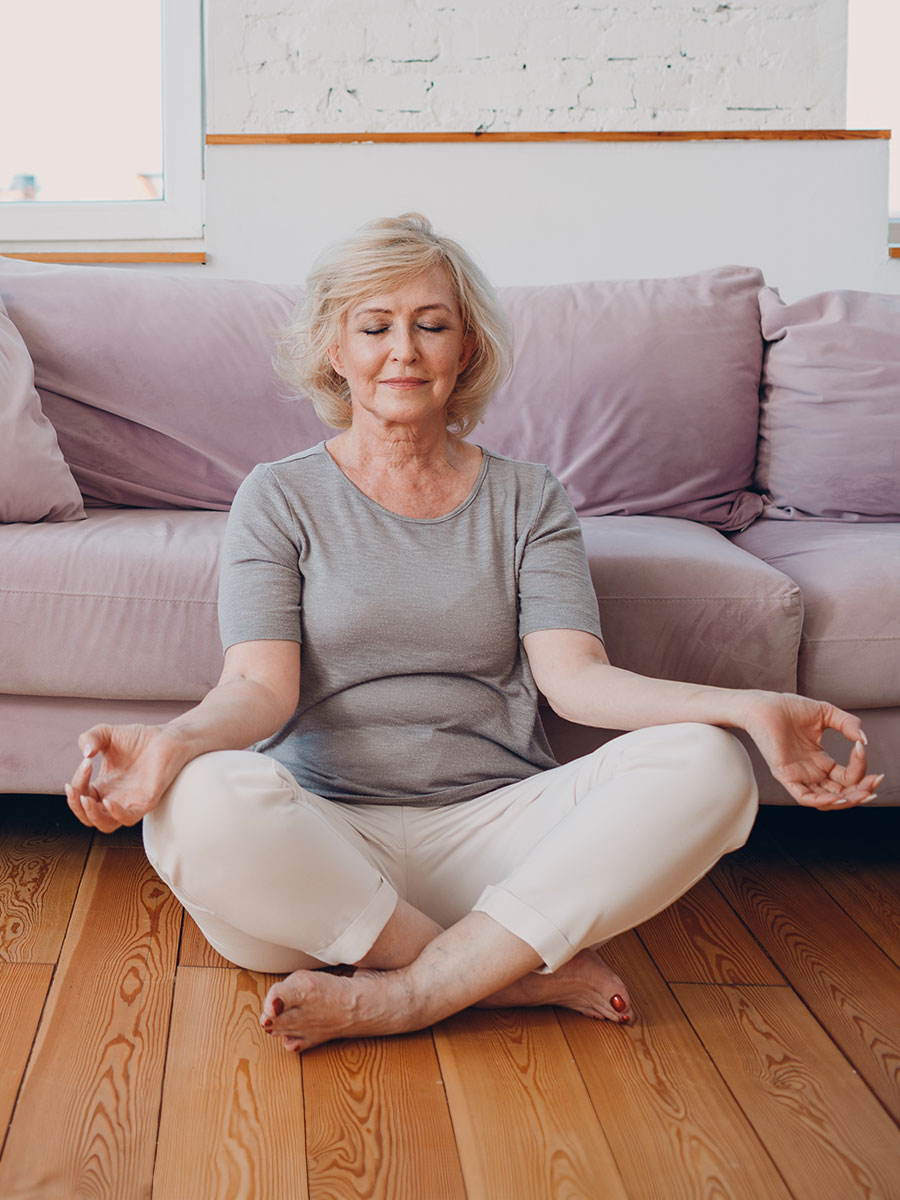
x=404, y=382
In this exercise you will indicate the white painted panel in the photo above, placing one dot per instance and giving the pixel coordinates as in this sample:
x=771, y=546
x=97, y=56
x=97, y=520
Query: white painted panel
x=811, y=214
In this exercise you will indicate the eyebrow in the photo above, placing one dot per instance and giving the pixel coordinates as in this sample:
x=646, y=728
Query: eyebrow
x=387, y=311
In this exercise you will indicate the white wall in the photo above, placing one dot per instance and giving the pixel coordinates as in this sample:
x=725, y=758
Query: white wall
x=812, y=215
x=352, y=65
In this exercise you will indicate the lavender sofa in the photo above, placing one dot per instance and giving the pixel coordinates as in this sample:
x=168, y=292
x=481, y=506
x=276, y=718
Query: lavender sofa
x=734, y=461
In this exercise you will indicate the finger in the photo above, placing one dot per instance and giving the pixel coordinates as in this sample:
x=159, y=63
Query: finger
x=856, y=766
x=94, y=740
x=98, y=813
x=126, y=812
x=845, y=723
x=73, y=800
x=82, y=778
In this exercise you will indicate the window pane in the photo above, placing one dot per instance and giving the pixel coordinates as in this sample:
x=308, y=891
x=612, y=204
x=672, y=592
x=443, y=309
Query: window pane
x=80, y=100
x=873, y=77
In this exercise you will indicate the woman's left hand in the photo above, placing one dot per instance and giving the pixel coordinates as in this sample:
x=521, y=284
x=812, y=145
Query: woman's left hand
x=788, y=731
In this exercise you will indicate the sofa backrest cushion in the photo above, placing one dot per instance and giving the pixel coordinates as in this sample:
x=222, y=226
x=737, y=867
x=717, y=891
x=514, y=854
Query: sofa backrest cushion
x=830, y=415
x=35, y=483
x=641, y=395
x=160, y=387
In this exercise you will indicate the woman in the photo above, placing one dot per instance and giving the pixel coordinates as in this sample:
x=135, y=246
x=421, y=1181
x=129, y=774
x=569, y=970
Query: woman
x=391, y=601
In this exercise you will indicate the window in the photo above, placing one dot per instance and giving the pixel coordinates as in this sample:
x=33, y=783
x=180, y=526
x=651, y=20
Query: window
x=873, y=91
x=102, y=108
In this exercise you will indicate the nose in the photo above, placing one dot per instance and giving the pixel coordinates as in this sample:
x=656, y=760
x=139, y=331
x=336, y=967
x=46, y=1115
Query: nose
x=405, y=348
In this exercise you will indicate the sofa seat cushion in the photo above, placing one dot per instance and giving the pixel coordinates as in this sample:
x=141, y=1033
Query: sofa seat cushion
x=850, y=579
x=678, y=600
x=121, y=605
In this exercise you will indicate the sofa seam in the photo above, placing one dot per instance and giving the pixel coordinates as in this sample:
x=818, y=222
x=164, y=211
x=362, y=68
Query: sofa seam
x=808, y=641
x=100, y=596
x=698, y=599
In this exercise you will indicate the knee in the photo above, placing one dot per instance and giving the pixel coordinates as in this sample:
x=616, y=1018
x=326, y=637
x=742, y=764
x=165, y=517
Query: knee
x=201, y=813
x=723, y=765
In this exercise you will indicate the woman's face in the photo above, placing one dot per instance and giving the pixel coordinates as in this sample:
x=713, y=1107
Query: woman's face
x=401, y=351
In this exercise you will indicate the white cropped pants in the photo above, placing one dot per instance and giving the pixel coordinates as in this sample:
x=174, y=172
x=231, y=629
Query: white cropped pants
x=278, y=878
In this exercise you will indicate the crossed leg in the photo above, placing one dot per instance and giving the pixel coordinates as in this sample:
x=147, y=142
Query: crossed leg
x=641, y=821
x=474, y=962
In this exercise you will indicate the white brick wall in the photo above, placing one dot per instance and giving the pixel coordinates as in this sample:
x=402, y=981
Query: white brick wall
x=346, y=65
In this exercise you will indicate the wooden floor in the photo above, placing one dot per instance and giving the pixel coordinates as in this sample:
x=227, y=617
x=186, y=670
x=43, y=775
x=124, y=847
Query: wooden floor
x=765, y=1061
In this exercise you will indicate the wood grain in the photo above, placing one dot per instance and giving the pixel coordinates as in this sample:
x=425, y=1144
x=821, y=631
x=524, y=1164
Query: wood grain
x=828, y=1135
x=231, y=1125
x=868, y=894
x=848, y=982
x=40, y=868
x=23, y=990
x=380, y=1127
x=524, y=1123
x=195, y=950
x=699, y=939
x=86, y=1120
x=704, y=135
x=660, y=1099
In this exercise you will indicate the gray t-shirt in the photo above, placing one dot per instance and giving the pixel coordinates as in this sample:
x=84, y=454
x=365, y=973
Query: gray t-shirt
x=414, y=687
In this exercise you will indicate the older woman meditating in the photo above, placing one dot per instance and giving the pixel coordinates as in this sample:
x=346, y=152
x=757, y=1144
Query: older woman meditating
x=392, y=600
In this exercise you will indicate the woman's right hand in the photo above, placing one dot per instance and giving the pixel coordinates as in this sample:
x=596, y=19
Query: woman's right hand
x=135, y=765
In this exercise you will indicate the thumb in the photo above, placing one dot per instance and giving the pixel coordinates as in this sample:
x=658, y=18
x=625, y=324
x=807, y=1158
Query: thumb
x=95, y=740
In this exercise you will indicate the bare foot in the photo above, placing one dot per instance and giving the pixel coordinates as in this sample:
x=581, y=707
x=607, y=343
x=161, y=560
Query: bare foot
x=308, y=1008
x=586, y=983
x=311, y=1007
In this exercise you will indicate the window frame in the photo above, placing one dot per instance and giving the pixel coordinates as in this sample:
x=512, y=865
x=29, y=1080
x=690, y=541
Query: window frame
x=180, y=213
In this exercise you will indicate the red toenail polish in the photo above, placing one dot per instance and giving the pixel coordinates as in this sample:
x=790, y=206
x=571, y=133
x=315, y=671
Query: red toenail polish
x=278, y=1006
x=267, y=1024
x=618, y=1003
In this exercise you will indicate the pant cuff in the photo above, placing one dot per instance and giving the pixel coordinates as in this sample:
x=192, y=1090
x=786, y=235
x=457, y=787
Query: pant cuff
x=358, y=938
x=528, y=924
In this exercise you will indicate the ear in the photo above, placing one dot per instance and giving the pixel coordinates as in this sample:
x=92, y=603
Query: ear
x=334, y=357
x=468, y=349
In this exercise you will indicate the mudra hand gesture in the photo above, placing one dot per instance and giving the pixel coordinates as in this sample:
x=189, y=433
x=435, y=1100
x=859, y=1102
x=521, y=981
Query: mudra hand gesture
x=788, y=730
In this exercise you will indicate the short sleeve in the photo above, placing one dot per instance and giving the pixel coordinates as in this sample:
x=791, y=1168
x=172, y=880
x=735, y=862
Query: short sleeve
x=260, y=584
x=555, y=589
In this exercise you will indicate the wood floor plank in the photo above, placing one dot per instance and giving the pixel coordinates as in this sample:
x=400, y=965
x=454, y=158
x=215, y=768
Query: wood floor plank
x=380, y=1128
x=524, y=1122
x=41, y=864
x=665, y=1109
x=23, y=990
x=869, y=894
x=195, y=950
x=231, y=1125
x=700, y=939
x=850, y=984
x=86, y=1120
x=828, y=1135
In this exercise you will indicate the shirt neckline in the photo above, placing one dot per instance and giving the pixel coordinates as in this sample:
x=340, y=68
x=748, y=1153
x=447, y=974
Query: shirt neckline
x=476, y=487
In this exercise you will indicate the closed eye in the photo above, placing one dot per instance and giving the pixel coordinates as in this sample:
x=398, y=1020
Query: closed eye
x=424, y=328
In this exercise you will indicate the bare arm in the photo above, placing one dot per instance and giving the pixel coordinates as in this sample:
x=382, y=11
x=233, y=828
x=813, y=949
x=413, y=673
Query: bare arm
x=572, y=670
x=256, y=693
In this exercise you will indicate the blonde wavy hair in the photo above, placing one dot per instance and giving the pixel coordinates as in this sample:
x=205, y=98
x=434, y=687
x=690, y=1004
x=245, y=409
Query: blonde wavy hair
x=381, y=256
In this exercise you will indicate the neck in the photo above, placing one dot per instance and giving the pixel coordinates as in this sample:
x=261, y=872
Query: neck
x=378, y=446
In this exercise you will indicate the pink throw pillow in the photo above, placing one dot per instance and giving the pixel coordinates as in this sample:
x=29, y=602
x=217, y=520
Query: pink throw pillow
x=160, y=387
x=35, y=483
x=641, y=395
x=829, y=444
